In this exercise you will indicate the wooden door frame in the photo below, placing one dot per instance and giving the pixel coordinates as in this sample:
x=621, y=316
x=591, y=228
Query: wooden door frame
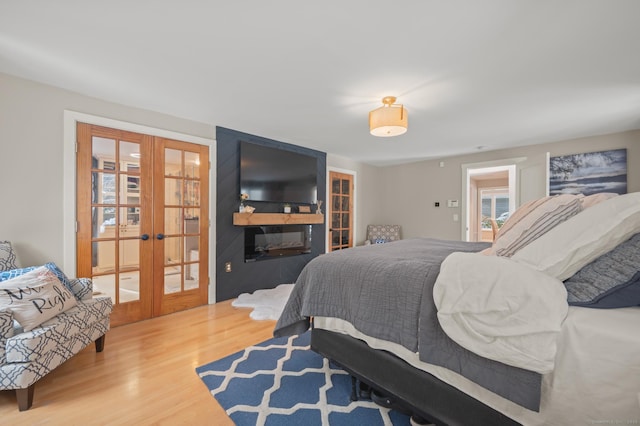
x=355, y=203
x=71, y=118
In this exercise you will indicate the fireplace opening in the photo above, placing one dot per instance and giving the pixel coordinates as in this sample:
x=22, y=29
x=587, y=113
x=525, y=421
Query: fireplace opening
x=270, y=242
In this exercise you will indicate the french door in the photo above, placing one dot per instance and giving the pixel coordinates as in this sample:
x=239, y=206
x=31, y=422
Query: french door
x=340, y=211
x=142, y=211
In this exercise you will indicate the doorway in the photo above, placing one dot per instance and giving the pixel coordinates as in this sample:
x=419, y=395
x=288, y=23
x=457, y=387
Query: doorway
x=492, y=193
x=142, y=212
x=528, y=179
x=492, y=212
x=341, y=210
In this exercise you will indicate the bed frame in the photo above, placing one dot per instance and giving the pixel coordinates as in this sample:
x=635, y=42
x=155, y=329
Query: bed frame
x=419, y=392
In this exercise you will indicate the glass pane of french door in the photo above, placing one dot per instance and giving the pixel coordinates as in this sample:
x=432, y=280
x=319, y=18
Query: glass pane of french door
x=116, y=222
x=181, y=246
x=340, y=211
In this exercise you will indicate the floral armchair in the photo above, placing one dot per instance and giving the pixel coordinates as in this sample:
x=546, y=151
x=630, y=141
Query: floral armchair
x=34, y=341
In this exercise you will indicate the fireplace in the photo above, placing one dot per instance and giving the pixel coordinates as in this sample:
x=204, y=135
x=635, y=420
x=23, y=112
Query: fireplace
x=270, y=242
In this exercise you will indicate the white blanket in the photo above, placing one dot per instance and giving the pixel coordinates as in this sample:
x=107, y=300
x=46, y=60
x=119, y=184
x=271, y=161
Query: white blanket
x=500, y=309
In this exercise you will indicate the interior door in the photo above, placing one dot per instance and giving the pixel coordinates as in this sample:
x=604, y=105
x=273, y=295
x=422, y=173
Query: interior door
x=181, y=226
x=114, y=214
x=142, y=211
x=533, y=178
x=340, y=211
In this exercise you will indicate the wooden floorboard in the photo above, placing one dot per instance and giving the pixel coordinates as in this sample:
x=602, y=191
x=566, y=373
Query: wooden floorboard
x=146, y=374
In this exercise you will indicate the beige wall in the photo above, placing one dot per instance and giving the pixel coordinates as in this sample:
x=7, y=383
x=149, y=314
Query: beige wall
x=31, y=157
x=412, y=189
x=31, y=171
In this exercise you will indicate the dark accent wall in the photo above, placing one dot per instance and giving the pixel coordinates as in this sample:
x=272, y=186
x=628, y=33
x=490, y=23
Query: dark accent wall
x=248, y=277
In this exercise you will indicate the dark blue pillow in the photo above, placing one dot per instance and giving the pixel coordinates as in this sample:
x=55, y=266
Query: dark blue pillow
x=610, y=281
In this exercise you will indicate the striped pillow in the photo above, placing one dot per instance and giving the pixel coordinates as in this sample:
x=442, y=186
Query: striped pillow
x=532, y=220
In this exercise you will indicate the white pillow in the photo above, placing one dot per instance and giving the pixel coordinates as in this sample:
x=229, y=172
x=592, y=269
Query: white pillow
x=35, y=297
x=592, y=200
x=568, y=247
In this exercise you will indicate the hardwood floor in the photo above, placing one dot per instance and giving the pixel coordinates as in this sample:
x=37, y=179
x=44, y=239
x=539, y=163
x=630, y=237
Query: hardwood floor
x=146, y=374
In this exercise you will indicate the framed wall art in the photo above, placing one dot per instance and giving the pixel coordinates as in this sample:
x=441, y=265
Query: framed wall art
x=589, y=173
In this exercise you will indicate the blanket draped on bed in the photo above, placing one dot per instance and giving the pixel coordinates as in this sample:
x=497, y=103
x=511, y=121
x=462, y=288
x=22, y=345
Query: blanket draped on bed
x=386, y=291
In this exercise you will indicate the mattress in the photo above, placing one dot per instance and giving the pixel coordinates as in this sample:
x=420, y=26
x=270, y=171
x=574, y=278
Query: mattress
x=596, y=379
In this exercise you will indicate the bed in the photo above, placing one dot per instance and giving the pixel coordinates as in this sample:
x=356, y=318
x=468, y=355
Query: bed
x=462, y=335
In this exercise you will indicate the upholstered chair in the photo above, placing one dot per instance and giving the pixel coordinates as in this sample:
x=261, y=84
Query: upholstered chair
x=378, y=234
x=32, y=346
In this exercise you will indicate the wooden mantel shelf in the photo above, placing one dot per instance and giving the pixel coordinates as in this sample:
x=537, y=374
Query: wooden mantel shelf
x=257, y=219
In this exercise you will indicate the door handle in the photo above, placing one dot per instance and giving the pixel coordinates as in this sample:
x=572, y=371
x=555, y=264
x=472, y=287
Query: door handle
x=144, y=237
x=160, y=236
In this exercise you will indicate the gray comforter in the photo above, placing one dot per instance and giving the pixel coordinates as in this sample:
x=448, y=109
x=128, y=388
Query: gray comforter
x=386, y=291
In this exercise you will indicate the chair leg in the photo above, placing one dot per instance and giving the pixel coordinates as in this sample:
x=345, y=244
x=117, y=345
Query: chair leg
x=100, y=343
x=25, y=397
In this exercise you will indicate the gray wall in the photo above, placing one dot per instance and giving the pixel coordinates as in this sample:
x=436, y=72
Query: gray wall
x=412, y=189
x=248, y=277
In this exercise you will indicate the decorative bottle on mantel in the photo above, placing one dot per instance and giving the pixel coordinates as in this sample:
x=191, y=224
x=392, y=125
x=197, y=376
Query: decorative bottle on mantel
x=243, y=197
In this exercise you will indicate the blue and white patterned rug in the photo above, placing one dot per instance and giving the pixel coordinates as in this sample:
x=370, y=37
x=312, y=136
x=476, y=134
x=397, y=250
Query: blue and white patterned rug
x=283, y=382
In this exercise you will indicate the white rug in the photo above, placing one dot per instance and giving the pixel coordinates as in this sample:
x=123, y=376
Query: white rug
x=267, y=304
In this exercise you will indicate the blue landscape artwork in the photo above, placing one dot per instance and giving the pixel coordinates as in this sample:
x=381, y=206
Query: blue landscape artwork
x=589, y=173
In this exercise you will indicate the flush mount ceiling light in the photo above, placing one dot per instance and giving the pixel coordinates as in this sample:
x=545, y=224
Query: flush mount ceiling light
x=388, y=120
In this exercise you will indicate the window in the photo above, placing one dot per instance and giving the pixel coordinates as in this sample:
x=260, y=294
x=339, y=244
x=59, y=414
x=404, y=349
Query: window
x=495, y=205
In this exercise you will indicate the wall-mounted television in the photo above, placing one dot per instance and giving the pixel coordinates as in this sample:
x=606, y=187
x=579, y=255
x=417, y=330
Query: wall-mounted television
x=277, y=175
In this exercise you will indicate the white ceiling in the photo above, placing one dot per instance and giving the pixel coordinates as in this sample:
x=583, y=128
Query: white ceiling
x=490, y=73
